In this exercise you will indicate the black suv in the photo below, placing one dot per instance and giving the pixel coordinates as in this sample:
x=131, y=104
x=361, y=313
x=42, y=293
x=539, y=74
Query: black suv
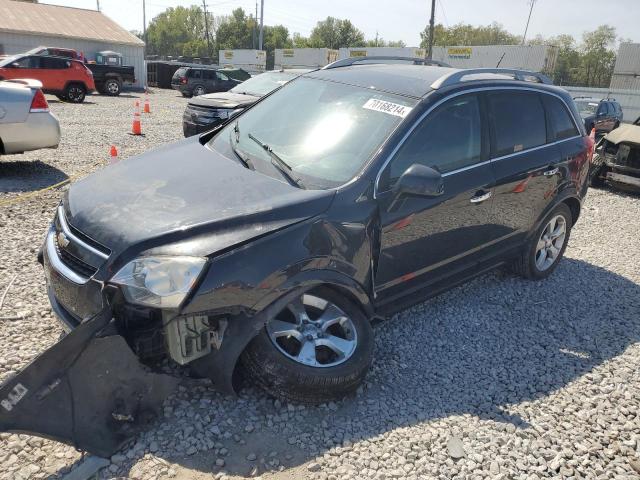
x=269, y=244
x=602, y=114
x=196, y=81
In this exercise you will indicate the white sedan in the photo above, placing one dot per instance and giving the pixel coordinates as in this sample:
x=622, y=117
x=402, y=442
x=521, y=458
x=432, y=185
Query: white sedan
x=25, y=120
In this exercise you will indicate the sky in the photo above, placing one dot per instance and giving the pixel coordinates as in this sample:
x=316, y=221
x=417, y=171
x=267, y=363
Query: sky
x=404, y=19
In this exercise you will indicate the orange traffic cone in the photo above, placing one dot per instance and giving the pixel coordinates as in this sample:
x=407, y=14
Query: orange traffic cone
x=136, y=127
x=114, y=154
x=147, y=107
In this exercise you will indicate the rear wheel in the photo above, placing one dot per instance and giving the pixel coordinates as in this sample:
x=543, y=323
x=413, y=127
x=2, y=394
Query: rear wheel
x=198, y=90
x=318, y=348
x=75, y=93
x=546, y=247
x=112, y=87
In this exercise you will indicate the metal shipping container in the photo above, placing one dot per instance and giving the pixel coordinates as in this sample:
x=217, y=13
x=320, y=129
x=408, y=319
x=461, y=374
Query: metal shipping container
x=537, y=58
x=304, y=57
x=381, y=51
x=253, y=61
x=626, y=73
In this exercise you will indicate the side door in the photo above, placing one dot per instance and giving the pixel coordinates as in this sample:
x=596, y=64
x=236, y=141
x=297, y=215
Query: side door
x=525, y=159
x=602, y=118
x=25, y=67
x=223, y=82
x=574, y=163
x=426, y=239
x=54, y=70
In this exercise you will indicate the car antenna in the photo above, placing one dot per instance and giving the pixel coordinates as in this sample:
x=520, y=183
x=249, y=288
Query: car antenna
x=500, y=61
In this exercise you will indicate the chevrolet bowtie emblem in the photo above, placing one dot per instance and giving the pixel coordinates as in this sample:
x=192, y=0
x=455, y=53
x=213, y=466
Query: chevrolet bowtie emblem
x=63, y=241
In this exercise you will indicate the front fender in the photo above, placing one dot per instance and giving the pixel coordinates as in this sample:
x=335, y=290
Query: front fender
x=220, y=364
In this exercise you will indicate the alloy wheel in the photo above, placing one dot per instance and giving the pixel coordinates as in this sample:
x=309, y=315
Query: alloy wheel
x=75, y=94
x=112, y=87
x=551, y=242
x=198, y=91
x=314, y=332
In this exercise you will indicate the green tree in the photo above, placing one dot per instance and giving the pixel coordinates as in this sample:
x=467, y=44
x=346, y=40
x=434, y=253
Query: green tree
x=178, y=31
x=466, y=34
x=236, y=31
x=336, y=33
x=598, y=56
x=275, y=37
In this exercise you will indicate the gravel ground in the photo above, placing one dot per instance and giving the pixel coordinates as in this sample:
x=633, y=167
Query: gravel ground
x=501, y=378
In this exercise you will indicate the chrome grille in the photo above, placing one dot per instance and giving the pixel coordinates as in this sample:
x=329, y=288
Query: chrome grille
x=78, y=257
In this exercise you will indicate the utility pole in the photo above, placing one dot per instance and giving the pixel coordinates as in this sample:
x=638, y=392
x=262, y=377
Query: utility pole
x=255, y=28
x=206, y=27
x=431, y=26
x=144, y=20
x=261, y=24
x=98, y=5
x=533, y=2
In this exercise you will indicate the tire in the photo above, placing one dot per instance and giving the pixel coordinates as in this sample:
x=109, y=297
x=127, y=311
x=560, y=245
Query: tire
x=527, y=265
x=61, y=97
x=279, y=374
x=198, y=90
x=597, y=180
x=75, y=93
x=112, y=87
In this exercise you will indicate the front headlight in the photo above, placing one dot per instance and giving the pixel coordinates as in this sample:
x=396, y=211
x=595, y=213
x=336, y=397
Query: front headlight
x=161, y=282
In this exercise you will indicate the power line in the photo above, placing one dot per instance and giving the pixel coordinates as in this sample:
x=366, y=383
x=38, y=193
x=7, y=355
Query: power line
x=533, y=2
x=444, y=15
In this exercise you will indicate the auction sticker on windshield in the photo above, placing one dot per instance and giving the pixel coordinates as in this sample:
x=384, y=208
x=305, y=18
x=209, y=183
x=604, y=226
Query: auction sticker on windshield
x=387, y=107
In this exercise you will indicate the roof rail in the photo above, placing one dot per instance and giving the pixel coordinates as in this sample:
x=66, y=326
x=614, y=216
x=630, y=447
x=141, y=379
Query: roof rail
x=520, y=75
x=345, y=62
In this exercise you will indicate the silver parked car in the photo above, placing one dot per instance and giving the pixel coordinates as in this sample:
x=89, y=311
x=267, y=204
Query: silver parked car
x=25, y=120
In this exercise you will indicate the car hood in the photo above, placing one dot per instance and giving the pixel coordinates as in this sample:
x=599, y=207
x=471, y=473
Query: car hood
x=182, y=191
x=624, y=133
x=224, y=100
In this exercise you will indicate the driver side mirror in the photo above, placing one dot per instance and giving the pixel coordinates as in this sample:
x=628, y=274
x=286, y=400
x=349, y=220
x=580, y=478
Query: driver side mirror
x=420, y=180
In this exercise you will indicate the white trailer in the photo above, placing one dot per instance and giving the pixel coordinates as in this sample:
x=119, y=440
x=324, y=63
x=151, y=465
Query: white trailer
x=626, y=73
x=253, y=61
x=304, y=57
x=412, y=52
x=536, y=58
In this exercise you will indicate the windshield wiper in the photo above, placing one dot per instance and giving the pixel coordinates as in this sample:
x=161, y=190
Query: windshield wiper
x=243, y=158
x=282, y=166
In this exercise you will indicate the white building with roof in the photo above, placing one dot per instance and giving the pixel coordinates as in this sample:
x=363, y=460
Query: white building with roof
x=25, y=25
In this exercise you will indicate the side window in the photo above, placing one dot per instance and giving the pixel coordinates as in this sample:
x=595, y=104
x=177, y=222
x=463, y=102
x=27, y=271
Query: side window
x=559, y=118
x=52, y=63
x=518, y=121
x=26, y=62
x=195, y=73
x=222, y=76
x=602, y=108
x=448, y=139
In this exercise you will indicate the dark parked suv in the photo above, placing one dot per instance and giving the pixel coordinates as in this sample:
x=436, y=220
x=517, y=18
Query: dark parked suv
x=268, y=245
x=194, y=81
x=602, y=114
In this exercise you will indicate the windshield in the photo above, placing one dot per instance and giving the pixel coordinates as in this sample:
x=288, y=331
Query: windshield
x=264, y=83
x=181, y=72
x=586, y=107
x=323, y=131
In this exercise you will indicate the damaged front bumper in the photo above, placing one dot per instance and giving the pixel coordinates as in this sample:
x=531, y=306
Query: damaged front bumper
x=88, y=390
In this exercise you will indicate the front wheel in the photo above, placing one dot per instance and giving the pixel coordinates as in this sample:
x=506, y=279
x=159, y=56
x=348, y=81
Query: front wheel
x=318, y=348
x=547, y=245
x=198, y=90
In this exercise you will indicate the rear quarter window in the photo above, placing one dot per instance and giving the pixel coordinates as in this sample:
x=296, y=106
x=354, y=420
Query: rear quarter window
x=518, y=121
x=562, y=126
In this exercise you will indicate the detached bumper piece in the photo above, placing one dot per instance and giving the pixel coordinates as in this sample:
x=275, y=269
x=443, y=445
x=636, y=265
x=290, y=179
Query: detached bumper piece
x=88, y=390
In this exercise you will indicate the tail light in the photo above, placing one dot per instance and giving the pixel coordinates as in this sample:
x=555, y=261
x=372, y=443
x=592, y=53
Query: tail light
x=183, y=80
x=39, y=103
x=590, y=143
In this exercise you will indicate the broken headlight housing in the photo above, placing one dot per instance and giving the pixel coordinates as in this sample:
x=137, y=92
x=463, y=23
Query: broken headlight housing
x=161, y=282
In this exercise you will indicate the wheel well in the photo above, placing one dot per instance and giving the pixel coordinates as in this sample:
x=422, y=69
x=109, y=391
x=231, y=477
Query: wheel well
x=574, y=206
x=75, y=83
x=367, y=312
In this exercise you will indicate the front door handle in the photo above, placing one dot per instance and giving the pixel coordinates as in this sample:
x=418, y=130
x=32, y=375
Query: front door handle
x=551, y=172
x=481, y=197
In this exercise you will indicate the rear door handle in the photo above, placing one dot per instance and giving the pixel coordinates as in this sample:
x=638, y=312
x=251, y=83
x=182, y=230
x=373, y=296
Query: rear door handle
x=481, y=197
x=551, y=172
